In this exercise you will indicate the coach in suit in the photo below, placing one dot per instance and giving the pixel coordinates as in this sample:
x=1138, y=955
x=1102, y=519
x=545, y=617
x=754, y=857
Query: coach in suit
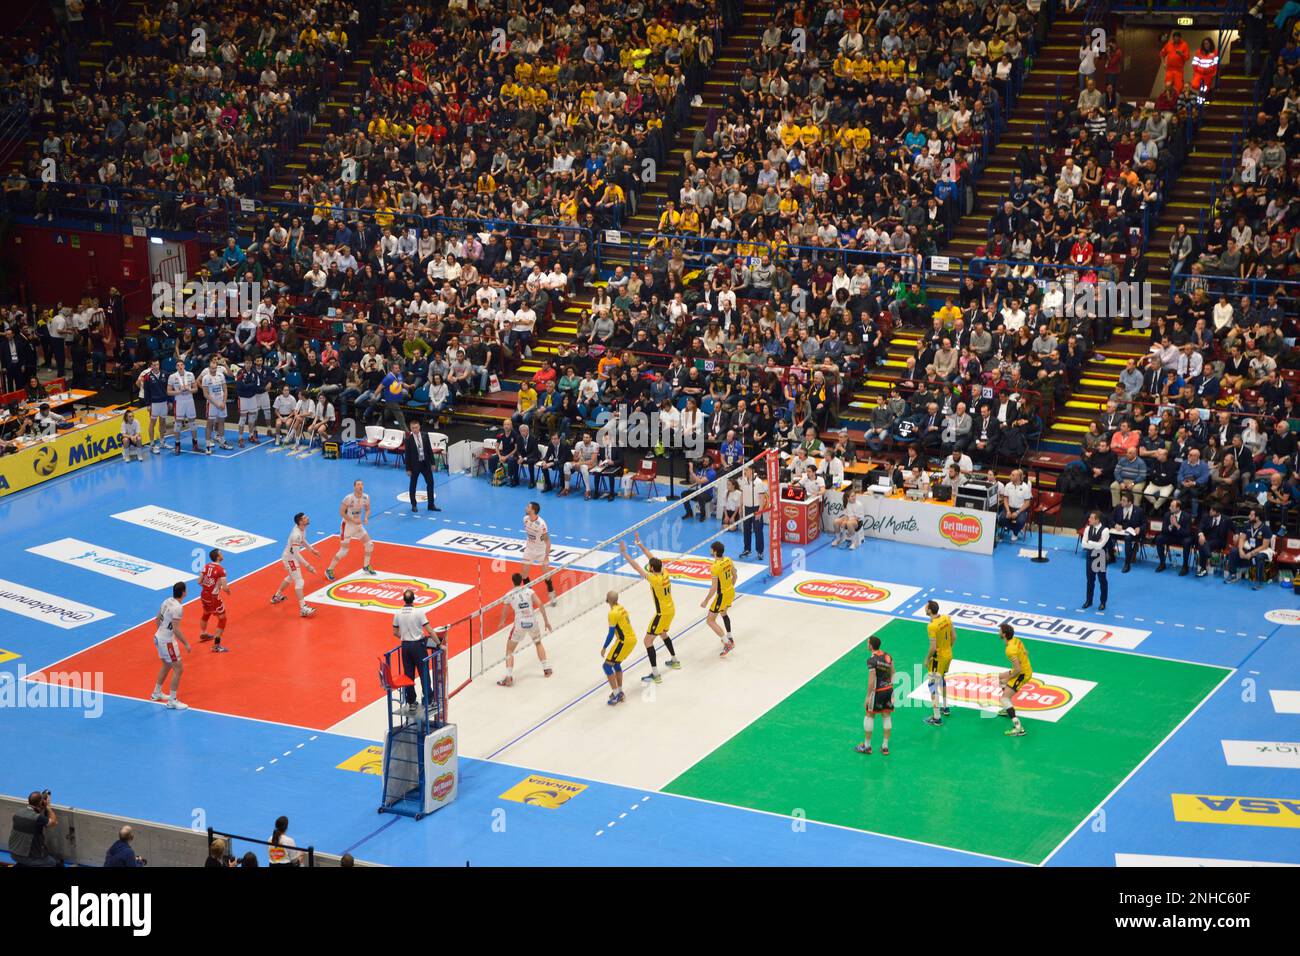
x=609, y=464
x=530, y=453
x=1176, y=533
x=984, y=436
x=1129, y=522
x=419, y=462
x=1212, y=538
x=555, y=456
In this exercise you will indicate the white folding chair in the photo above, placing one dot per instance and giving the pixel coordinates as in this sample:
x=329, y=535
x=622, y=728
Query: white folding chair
x=439, y=441
x=374, y=435
x=392, y=441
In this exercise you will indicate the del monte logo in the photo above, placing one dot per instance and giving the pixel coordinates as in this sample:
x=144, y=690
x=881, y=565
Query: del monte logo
x=985, y=690
x=696, y=569
x=961, y=529
x=841, y=589
x=384, y=592
x=442, y=750
x=442, y=786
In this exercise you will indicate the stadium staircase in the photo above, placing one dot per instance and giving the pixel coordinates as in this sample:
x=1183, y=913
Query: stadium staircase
x=1207, y=165
x=1052, y=75
x=561, y=328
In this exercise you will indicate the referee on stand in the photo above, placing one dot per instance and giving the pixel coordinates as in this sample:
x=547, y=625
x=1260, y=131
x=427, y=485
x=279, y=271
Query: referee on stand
x=412, y=628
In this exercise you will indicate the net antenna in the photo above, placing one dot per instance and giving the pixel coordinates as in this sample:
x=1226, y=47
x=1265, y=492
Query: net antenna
x=582, y=582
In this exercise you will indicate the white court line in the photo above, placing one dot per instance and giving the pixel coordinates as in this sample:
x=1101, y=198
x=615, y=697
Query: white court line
x=1129, y=776
x=782, y=816
x=113, y=637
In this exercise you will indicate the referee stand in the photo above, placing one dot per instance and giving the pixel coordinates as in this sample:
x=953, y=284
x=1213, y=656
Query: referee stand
x=420, y=772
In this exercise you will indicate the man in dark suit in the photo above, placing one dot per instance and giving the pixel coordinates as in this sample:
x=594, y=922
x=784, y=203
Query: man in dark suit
x=1212, y=538
x=609, y=463
x=529, y=455
x=1176, y=533
x=555, y=456
x=1129, y=522
x=16, y=356
x=418, y=451
x=984, y=436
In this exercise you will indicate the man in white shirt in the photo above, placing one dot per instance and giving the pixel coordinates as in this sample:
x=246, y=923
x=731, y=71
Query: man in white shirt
x=1016, y=499
x=46, y=422
x=213, y=383
x=59, y=331
x=411, y=627
x=586, y=455
x=167, y=635
x=181, y=386
x=523, y=601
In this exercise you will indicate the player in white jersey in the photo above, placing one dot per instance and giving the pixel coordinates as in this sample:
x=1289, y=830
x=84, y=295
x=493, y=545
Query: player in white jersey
x=213, y=383
x=355, y=512
x=524, y=602
x=181, y=386
x=166, y=638
x=537, y=547
x=293, y=561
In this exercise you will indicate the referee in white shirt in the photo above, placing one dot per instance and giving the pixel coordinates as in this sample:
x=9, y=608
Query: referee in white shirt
x=412, y=628
x=753, y=500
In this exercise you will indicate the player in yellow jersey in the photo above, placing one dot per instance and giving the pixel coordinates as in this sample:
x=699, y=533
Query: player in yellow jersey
x=618, y=647
x=1014, y=679
x=722, y=592
x=939, y=659
x=661, y=587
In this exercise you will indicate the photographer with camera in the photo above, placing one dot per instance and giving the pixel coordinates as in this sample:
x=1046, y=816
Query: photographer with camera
x=27, y=838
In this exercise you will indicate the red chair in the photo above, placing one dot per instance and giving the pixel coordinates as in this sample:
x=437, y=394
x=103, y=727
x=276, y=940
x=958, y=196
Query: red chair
x=646, y=474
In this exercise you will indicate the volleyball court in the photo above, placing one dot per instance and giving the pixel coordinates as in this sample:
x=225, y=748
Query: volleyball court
x=501, y=722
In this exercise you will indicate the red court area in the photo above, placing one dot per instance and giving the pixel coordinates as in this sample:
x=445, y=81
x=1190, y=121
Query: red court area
x=312, y=672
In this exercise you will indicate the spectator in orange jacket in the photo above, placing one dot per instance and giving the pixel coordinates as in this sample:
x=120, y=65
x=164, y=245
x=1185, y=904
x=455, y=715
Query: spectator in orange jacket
x=1175, y=54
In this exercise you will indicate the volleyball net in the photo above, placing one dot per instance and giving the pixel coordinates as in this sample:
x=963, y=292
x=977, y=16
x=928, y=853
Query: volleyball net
x=576, y=589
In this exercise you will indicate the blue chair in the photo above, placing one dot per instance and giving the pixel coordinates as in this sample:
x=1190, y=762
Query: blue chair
x=293, y=380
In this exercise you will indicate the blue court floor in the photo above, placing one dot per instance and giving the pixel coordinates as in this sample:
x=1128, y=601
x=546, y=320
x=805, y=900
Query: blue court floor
x=127, y=756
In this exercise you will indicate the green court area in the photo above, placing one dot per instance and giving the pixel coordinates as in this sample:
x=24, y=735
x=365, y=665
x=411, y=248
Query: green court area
x=963, y=785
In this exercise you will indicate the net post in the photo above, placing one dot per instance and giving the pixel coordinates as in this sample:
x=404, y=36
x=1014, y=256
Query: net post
x=774, y=512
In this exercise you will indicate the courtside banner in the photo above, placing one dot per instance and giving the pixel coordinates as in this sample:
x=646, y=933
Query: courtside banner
x=1042, y=697
x=1262, y=753
x=66, y=452
x=512, y=549
x=382, y=592
x=693, y=568
x=843, y=591
x=1034, y=624
x=192, y=528
x=933, y=524
x=1145, y=859
x=112, y=564
x=50, y=608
